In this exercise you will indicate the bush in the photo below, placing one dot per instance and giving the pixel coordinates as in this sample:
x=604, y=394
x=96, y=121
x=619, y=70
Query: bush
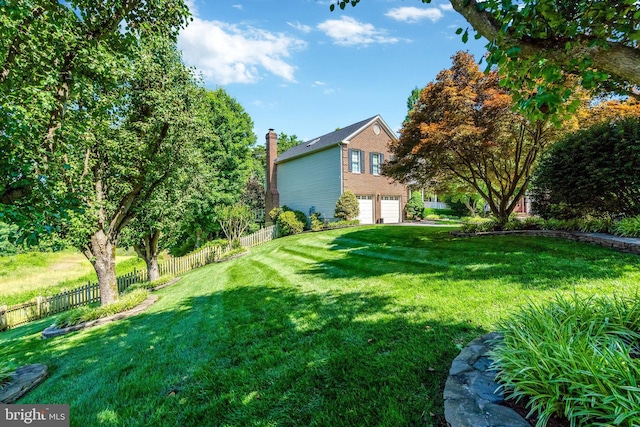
x=289, y=224
x=628, y=227
x=595, y=171
x=415, y=206
x=479, y=224
x=6, y=369
x=87, y=313
x=300, y=216
x=343, y=224
x=446, y=213
x=347, y=206
x=432, y=217
x=317, y=223
x=574, y=357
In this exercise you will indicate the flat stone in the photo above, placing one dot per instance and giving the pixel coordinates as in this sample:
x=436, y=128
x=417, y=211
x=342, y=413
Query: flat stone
x=483, y=363
x=455, y=388
x=464, y=413
x=24, y=379
x=483, y=386
x=501, y=416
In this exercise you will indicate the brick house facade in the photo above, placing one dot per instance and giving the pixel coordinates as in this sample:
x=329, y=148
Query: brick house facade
x=311, y=176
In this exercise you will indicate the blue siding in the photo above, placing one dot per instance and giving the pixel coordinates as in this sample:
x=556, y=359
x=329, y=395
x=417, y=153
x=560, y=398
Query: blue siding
x=313, y=180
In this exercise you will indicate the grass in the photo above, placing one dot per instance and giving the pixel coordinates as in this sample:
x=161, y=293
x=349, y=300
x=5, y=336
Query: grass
x=25, y=276
x=87, y=313
x=348, y=327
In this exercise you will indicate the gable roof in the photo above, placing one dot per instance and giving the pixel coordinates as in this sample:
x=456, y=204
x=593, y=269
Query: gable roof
x=331, y=139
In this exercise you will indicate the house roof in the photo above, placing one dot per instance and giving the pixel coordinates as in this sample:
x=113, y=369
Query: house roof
x=330, y=139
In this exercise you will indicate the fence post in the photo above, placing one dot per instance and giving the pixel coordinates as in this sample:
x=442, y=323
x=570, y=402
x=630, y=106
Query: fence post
x=3, y=317
x=39, y=299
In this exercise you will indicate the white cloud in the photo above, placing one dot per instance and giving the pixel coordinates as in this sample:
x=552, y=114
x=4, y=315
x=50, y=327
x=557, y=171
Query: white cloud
x=346, y=31
x=318, y=83
x=226, y=53
x=414, y=14
x=300, y=27
x=237, y=6
x=446, y=7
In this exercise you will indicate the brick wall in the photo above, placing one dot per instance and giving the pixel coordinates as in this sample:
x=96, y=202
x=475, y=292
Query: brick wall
x=366, y=184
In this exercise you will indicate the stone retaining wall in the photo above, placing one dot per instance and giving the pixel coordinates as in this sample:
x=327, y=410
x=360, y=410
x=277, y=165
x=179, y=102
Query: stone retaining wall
x=624, y=244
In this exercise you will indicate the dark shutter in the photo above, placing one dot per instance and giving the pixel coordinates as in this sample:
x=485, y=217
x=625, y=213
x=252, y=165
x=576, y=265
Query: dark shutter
x=362, y=169
x=371, y=163
x=381, y=159
x=349, y=151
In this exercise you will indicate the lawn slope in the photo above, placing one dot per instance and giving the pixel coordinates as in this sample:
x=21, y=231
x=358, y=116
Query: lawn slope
x=352, y=327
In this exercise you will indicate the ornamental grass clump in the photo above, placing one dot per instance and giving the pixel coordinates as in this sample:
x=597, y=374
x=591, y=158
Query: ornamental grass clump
x=577, y=357
x=6, y=371
x=87, y=313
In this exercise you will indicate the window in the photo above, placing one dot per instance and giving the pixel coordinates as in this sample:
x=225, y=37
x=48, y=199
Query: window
x=356, y=161
x=376, y=162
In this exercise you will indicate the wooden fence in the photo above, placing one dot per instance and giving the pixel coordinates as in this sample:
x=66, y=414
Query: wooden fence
x=42, y=307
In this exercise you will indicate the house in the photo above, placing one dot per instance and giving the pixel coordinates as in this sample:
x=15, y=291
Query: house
x=311, y=176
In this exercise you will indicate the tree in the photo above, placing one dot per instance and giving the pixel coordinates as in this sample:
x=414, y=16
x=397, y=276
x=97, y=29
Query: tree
x=464, y=129
x=223, y=170
x=538, y=43
x=415, y=206
x=592, y=172
x=51, y=54
x=234, y=220
x=347, y=206
x=139, y=133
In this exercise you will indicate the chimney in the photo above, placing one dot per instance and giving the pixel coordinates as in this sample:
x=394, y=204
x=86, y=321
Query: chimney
x=272, y=197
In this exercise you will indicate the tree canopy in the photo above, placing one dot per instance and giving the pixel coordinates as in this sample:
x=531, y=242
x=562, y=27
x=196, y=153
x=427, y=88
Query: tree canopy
x=52, y=55
x=463, y=129
x=539, y=43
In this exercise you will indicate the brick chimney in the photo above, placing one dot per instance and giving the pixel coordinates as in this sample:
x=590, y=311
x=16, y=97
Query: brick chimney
x=272, y=197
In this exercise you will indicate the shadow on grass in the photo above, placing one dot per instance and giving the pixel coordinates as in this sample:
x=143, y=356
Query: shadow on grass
x=531, y=262
x=252, y=356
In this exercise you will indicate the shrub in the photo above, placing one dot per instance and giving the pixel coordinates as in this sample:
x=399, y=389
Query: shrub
x=300, y=216
x=317, y=222
x=440, y=212
x=347, y=206
x=87, y=313
x=289, y=224
x=343, y=224
x=415, y=206
x=628, y=227
x=594, y=171
x=432, y=217
x=6, y=369
x=479, y=224
x=575, y=357
x=533, y=223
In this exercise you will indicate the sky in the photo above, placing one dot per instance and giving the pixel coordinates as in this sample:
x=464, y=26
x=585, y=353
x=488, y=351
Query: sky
x=303, y=70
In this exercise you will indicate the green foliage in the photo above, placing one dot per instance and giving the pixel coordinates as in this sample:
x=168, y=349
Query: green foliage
x=479, y=224
x=347, y=206
x=6, y=371
x=342, y=224
x=415, y=206
x=628, y=227
x=54, y=58
x=300, y=216
x=432, y=217
x=87, y=313
x=445, y=213
x=8, y=237
x=317, y=223
x=288, y=223
x=234, y=220
x=152, y=284
x=575, y=357
x=593, y=172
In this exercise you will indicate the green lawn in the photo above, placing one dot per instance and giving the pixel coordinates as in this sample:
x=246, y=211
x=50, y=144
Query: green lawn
x=351, y=327
x=25, y=276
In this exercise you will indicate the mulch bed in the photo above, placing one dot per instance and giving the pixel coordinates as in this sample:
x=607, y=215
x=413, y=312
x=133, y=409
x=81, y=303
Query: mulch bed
x=522, y=409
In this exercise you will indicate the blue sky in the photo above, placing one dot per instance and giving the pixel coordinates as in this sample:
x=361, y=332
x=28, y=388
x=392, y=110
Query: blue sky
x=301, y=69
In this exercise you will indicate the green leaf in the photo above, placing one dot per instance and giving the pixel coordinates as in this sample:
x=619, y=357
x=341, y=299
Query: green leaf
x=465, y=37
x=459, y=31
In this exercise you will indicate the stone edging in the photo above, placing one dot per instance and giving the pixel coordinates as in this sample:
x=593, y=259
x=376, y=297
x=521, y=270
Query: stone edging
x=471, y=398
x=52, y=331
x=23, y=380
x=624, y=244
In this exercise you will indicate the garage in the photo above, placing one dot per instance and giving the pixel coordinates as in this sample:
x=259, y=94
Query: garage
x=390, y=209
x=366, y=209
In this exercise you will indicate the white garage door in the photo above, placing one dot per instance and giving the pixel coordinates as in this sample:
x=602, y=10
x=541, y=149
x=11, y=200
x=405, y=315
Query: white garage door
x=390, y=209
x=366, y=209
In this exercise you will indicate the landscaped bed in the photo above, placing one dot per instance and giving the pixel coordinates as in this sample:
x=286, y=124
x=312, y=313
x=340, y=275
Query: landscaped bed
x=347, y=327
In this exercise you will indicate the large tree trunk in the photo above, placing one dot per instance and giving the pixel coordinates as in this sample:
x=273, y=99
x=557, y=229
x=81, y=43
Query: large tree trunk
x=148, y=250
x=101, y=252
